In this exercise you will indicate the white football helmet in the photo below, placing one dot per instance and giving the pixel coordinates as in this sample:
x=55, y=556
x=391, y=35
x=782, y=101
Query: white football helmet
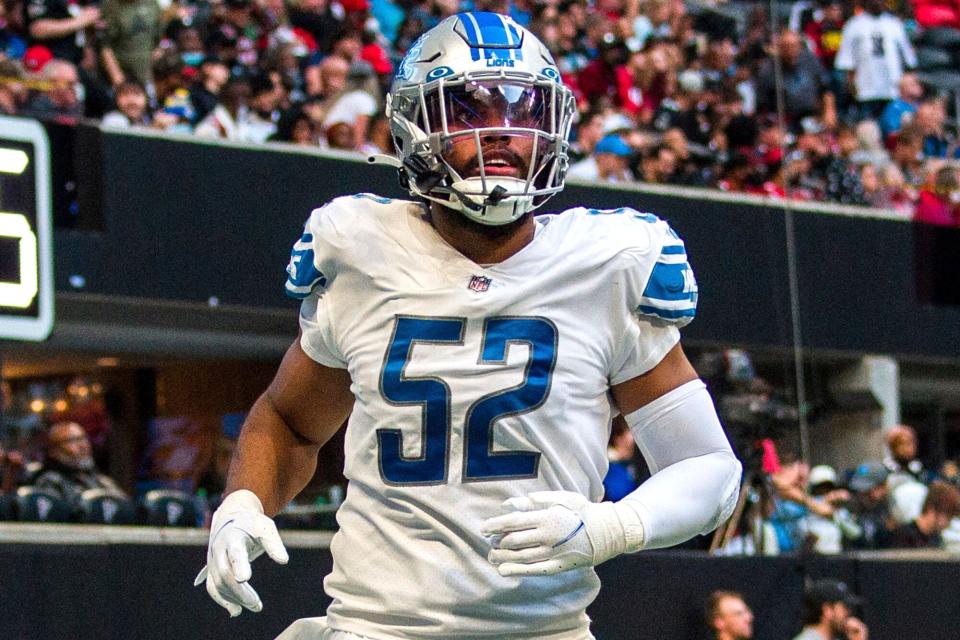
x=481, y=79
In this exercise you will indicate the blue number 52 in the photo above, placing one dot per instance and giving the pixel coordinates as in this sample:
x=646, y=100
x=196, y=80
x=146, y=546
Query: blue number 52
x=480, y=461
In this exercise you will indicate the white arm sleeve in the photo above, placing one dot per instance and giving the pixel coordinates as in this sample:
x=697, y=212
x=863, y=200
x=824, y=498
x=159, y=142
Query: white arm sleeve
x=696, y=477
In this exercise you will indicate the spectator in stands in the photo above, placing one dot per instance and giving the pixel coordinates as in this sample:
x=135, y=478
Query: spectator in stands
x=378, y=138
x=319, y=19
x=829, y=521
x=805, y=82
x=131, y=108
x=340, y=135
x=869, y=145
x=240, y=24
x=791, y=502
x=205, y=92
x=931, y=118
x=902, y=461
x=263, y=113
x=13, y=92
x=825, y=31
x=841, y=175
x=728, y=616
x=328, y=79
x=874, y=49
x=355, y=105
x=589, y=133
x=827, y=612
x=68, y=469
x=688, y=171
x=658, y=164
x=295, y=126
x=173, y=109
x=939, y=201
x=870, y=505
x=908, y=155
x=60, y=101
x=941, y=505
x=131, y=35
x=621, y=476
x=60, y=26
x=610, y=162
x=229, y=118
x=599, y=78
x=900, y=111
x=11, y=469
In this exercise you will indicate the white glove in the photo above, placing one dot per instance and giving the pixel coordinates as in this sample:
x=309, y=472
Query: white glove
x=547, y=532
x=239, y=534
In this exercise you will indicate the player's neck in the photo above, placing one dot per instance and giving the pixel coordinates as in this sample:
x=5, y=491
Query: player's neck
x=482, y=244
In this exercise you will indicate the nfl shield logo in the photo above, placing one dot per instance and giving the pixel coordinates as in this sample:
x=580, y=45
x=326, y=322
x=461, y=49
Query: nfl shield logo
x=479, y=283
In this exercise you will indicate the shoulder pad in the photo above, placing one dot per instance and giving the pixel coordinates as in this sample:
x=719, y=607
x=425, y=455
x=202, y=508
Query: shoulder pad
x=326, y=241
x=665, y=289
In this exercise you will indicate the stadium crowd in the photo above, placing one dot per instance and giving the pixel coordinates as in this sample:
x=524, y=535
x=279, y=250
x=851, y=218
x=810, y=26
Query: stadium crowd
x=667, y=92
x=787, y=507
x=56, y=467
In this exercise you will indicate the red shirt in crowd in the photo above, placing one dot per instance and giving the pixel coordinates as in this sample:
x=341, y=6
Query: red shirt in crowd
x=935, y=209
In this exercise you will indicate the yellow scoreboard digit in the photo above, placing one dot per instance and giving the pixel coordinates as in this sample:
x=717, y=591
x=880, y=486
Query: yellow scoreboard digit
x=26, y=248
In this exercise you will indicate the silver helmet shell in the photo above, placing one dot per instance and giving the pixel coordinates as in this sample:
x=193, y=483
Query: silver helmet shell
x=471, y=62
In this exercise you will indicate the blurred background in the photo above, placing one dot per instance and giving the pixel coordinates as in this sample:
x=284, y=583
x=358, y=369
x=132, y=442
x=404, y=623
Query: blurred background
x=807, y=152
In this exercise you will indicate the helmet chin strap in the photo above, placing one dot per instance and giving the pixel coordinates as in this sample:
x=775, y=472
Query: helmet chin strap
x=426, y=178
x=498, y=207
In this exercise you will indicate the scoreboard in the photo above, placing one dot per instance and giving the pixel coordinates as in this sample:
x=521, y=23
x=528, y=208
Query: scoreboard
x=26, y=264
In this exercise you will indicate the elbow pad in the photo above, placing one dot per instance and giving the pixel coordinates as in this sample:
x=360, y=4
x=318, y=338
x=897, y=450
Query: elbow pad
x=696, y=476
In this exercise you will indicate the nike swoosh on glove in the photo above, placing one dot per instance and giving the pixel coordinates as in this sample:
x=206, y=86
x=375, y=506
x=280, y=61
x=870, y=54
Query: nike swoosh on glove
x=239, y=534
x=547, y=532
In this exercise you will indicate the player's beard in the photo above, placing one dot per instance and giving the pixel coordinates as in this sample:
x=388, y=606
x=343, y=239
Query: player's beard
x=491, y=232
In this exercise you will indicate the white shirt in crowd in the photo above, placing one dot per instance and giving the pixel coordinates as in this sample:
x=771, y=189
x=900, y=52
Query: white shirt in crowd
x=876, y=49
x=349, y=107
x=247, y=127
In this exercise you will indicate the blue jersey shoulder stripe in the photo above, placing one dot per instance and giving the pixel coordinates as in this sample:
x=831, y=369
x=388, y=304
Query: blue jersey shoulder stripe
x=302, y=274
x=670, y=282
x=667, y=314
x=674, y=250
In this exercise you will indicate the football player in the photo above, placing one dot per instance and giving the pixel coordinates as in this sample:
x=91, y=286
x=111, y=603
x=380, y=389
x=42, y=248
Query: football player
x=480, y=354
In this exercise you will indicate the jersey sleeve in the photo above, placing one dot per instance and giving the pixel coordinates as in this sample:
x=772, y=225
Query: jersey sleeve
x=311, y=270
x=660, y=294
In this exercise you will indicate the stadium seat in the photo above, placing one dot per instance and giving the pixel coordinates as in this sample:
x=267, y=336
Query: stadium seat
x=39, y=505
x=931, y=58
x=942, y=37
x=169, y=508
x=103, y=506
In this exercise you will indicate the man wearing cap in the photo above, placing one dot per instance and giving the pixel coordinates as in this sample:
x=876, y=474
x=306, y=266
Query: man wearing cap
x=609, y=162
x=870, y=504
x=827, y=613
x=829, y=520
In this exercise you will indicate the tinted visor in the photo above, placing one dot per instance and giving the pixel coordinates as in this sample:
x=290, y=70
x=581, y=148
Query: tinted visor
x=484, y=104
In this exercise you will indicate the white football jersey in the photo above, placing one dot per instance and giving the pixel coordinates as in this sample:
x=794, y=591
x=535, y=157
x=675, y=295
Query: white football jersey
x=474, y=384
x=875, y=48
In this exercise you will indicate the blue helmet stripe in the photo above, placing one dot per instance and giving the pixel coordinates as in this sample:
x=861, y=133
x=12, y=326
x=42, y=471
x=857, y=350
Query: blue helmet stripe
x=492, y=28
x=515, y=39
x=492, y=32
x=471, y=27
